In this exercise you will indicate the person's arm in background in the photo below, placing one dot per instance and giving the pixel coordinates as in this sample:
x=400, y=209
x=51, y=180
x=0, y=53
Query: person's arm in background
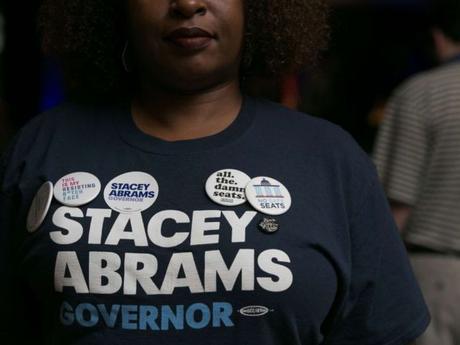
x=401, y=149
x=401, y=213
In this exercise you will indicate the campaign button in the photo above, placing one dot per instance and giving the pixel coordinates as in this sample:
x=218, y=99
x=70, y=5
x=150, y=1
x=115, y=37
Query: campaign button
x=227, y=187
x=268, y=195
x=269, y=225
x=77, y=188
x=131, y=192
x=39, y=207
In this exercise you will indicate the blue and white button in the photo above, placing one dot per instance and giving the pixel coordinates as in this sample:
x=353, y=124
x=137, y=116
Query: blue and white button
x=268, y=195
x=131, y=192
x=77, y=188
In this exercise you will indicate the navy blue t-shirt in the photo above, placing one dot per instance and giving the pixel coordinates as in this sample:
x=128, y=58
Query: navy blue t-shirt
x=335, y=272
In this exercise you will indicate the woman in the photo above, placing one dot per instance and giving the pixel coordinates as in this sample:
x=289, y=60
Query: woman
x=165, y=206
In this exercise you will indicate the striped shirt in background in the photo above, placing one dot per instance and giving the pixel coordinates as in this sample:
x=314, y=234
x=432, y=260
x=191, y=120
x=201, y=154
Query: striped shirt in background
x=417, y=155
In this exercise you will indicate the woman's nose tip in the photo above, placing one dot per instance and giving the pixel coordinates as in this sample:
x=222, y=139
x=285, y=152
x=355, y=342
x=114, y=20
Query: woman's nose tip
x=188, y=8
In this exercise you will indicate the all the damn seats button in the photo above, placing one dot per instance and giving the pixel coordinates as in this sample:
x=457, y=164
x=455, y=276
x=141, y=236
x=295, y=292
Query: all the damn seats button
x=227, y=187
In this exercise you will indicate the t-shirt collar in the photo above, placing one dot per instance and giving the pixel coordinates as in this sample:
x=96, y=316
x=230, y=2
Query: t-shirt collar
x=131, y=134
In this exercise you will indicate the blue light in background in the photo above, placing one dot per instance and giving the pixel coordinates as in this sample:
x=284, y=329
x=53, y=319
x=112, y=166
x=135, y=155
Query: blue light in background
x=52, y=92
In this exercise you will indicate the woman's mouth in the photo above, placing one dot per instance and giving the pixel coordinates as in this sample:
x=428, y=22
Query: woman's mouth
x=190, y=38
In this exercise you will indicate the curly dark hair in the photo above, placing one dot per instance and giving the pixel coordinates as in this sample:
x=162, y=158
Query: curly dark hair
x=87, y=38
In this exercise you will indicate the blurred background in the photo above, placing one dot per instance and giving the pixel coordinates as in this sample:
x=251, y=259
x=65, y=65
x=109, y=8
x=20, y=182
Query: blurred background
x=375, y=45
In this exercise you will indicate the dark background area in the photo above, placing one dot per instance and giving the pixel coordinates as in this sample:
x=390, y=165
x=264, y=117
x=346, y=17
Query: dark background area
x=375, y=45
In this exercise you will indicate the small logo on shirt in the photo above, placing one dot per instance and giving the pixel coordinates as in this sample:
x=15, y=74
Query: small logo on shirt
x=269, y=225
x=254, y=310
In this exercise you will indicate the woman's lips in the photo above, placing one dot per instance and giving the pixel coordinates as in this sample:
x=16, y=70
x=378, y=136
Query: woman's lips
x=191, y=43
x=192, y=38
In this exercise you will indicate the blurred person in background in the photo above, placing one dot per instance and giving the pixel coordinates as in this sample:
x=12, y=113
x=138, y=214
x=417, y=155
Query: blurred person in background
x=417, y=154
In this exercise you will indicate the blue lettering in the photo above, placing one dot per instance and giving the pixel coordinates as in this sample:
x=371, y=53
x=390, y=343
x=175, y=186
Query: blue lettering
x=221, y=311
x=147, y=316
x=66, y=314
x=176, y=319
x=93, y=315
x=190, y=315
x=129, y=316
x=111, y=318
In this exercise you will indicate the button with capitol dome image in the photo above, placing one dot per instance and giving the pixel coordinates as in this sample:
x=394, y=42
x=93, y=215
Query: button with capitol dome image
x=268, y=195
x=131, y=192
x=227, y=187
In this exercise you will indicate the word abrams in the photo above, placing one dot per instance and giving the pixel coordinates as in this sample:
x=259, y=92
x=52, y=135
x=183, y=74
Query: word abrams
x=110, y=273
x=133, y=190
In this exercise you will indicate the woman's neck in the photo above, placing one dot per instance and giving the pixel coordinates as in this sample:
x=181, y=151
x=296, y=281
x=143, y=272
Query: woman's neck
x=173, y=116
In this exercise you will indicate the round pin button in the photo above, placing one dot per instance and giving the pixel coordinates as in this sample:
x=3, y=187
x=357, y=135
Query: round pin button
x=227, y=187
x=268, y=195
x=269, y=225
x=131, y=192
x=39, y=207
x=77, y=188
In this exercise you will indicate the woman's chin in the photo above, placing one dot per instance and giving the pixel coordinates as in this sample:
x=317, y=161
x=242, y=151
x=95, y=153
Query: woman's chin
x=196, y=82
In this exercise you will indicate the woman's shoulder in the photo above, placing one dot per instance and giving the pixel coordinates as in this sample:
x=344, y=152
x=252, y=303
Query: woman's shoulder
x=313, y=137
x=67, y=113
x=60, y=121
x=47, y=129
x=48, y=120
x=309, y=131
x=277, y=115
